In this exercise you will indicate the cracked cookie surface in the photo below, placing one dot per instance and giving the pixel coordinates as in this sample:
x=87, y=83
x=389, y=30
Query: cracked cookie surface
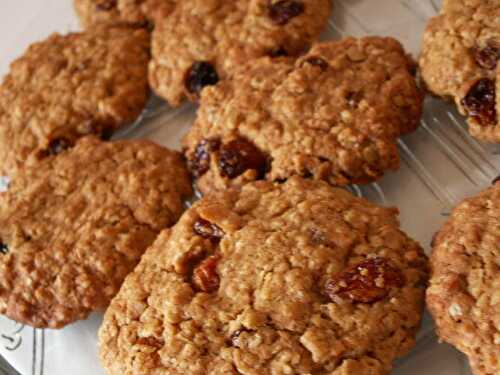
x=292, y=278
x=335, y=114
x=138, y=12
x=68, y=86
x=459, y=61
x=221, y=35
x=76, y=224
x=464, y=292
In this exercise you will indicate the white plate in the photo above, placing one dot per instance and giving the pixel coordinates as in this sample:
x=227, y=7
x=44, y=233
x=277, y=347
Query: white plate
x=441, y=164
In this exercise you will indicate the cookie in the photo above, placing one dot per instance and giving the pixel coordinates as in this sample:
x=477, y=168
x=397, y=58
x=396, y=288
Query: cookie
x=459, y=61
x=203, y=41
x=68, y=86
x=292, y=278
x=138, y=12
x=76, y=224
x=464, y=292
x=335, y=115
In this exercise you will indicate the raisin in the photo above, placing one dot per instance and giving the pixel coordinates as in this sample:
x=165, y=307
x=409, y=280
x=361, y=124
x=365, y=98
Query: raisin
x=366, y=282
x=317, y=61
x=4, y=249
x=106, y=5
x=151, y=341
x=200, y=74
x=240, y=155
x=480, y=102
x=487, y=58
x=205, y=276
x=206, y=229
x=200, y=162
x=497, y=179
x=106, y=134
x=283, y=11
x=58, y=145
x=278, y=52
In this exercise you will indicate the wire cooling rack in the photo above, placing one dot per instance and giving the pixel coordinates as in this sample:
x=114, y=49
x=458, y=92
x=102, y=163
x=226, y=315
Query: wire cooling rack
x=440, y=165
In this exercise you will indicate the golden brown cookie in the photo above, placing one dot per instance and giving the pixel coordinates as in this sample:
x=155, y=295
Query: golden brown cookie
x=203, y=41
x=459, y=61
x=335, y=115
x=76, y=224
x=68, y=86
x=138, y=12
x=464, y=292
x=292, y=278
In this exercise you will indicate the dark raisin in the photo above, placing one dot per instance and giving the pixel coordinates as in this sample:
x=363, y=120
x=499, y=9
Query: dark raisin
x=106, y=5
x=497, y=179
x=317, y=61
x=480, y=102
x=106, y=134
x=278, y=52
x=281, y=12
x=366, y=282
x=205, y=276
x=199, y=163
x=487, y=57
x=206, y=229
x=58, y=145
x=200, y=74
x=4, y=249
x=306, y=173
x=240, y=155
x=145, y=24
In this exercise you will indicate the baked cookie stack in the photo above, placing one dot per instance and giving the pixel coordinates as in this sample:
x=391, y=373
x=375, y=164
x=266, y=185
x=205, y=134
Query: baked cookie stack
x=277, y=269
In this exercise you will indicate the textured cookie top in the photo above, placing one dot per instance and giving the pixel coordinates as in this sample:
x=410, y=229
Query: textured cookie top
x=138, y=12
x=205, y=40
x=459, y=60
x=464, y=292
x=69, y=86
x=335, y=114
x=75, y=225
x=293, y=278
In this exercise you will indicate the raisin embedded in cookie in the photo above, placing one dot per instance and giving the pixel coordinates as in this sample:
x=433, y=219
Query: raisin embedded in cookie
x=464, y=292
x=76, y=224
x=459, y=61
x=335, y=114
x=203, y=41
x=69, y=86
x=292, y=278
x=138, y=12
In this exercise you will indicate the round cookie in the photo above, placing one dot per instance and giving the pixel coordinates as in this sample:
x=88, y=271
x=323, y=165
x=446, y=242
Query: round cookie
x=464, y=292
x=335, y=114
x=139, y=12
x=203, y=41
x=459, y=61
x=68, y=86
x=292, y=278
x=76, y=224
